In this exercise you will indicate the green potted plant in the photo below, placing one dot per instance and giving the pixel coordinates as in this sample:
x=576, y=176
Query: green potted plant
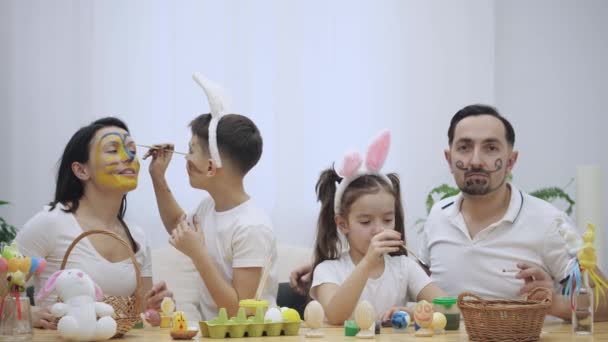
x=549, y=194
x=7, y=231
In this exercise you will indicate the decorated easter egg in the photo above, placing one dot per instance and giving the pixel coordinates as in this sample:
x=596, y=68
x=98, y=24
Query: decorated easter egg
x=25, y=264
x=41, y=266
x=274, y=315
x=314, y=314
x=423, y=314
x=167, y=306
x=400, y=320
x=153, y=317
x=364, y=315
x=290, y=315
x=13, y=264
x=439, y=321
x=10, y=252
x=3, y=265
x=18, y=278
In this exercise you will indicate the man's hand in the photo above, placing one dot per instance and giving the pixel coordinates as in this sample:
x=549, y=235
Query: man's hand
x=533, y=277
x=299, y=279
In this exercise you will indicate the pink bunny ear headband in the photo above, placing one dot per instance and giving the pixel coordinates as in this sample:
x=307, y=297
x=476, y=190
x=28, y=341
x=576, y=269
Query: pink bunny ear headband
x=218, y=105
x=352, y=166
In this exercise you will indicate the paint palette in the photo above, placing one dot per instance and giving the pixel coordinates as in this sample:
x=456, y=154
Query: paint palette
x=254, y=326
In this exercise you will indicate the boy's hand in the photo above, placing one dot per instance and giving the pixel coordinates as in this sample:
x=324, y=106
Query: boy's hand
x=188, y=240
x=387, y=241
x=161, y=157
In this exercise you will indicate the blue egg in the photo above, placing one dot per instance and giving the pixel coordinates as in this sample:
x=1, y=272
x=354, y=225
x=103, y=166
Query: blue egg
x=400, y=320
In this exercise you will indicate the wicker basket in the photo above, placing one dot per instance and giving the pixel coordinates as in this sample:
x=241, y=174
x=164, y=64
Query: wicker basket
x=505, y=319
x=126, y=309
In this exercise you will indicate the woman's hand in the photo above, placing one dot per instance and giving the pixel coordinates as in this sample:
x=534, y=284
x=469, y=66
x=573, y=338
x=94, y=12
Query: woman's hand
x=156, y=294
x=42, y=318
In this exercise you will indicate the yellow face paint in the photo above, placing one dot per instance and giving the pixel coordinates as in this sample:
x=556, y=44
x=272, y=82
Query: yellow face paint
x=118, y=167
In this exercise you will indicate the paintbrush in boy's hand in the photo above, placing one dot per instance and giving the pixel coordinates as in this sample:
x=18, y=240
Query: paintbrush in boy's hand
x=158, y=148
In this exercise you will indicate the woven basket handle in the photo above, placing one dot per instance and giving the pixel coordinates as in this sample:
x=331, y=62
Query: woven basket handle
x=548, y=294
x=463, y=295
x=139, y=286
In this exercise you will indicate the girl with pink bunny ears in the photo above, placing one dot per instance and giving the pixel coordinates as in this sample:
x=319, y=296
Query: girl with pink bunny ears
x=364, y=204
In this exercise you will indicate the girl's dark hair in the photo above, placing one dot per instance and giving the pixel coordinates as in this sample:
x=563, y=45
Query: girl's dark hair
x=69, y=189
x=327, y=243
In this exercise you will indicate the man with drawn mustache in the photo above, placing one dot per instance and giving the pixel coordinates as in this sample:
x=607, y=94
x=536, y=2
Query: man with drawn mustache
x=494, y=239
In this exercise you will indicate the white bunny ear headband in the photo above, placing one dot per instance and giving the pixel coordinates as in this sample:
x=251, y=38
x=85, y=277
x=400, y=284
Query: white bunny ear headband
x=352, y=166
x=218, y=105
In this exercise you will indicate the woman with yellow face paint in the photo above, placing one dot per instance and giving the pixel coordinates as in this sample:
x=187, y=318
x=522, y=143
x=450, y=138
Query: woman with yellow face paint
x=98, y=168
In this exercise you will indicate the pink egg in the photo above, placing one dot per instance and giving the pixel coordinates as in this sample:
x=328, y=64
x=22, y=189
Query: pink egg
x=3, y=266
x=41, y=266
x=153, y=317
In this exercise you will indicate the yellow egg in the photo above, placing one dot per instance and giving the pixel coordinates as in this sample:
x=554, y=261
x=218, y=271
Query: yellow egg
x=13, y=265
x=25, y=264
x=439, y=321
x=291, y=315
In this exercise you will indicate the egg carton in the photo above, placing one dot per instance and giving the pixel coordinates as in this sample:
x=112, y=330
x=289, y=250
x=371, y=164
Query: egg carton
x=241, y=326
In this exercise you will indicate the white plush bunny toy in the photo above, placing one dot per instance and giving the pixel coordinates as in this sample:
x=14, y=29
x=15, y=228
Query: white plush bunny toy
x=79, y=310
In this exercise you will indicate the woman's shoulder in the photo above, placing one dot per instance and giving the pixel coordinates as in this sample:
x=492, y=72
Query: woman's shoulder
x=48, y=218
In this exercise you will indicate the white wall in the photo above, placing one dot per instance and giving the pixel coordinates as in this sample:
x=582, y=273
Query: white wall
x=318, y=77
x=551, y=80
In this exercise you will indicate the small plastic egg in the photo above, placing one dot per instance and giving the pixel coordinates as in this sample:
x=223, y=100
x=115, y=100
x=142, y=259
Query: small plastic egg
x=439, y=321
x=3, y=265
x=274, y=315
x=41, y=266
x=314, y=315
x=291, y=315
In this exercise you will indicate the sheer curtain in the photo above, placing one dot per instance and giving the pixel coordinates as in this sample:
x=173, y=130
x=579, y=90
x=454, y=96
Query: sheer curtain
x=318, y=77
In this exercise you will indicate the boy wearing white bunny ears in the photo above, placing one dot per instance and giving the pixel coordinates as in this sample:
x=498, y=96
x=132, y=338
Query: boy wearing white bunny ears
x=228, y=237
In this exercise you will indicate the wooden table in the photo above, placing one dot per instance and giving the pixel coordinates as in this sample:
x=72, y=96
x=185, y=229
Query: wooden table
x=552, y=331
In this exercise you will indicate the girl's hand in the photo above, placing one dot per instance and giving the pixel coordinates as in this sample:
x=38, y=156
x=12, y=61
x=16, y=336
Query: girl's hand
x=161, y=157
x=388, y=315
x=188, y=240
x=42, y=318
x=387, y=241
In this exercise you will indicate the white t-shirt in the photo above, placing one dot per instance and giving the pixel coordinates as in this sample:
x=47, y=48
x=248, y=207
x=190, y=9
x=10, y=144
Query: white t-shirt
x=527, y=233
x=399, y=284
x=49, y=234
x=237, y=238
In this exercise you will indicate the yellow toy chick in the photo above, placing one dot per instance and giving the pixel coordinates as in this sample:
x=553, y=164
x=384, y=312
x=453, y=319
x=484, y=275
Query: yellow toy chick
x=588, y=261
x=179, y=322
x=179, y=330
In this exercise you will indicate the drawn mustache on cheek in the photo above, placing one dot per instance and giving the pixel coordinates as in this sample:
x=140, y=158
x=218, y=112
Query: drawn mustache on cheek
x=498, y=164
x=192, y=168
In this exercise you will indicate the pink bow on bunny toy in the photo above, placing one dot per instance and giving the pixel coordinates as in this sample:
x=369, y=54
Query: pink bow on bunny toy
x=352, y=166
x=80, y=308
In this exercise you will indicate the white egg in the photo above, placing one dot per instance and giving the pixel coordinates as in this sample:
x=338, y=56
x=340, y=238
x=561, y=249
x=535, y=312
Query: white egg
x=274, y=315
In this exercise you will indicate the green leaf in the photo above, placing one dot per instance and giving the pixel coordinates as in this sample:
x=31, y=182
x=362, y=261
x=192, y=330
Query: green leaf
x=551, y=194
x=444, y=191
x=4, y=202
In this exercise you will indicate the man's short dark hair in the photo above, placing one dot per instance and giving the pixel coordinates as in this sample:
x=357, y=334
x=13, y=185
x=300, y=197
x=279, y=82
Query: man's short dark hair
x=238, y=139
x=477, y=110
